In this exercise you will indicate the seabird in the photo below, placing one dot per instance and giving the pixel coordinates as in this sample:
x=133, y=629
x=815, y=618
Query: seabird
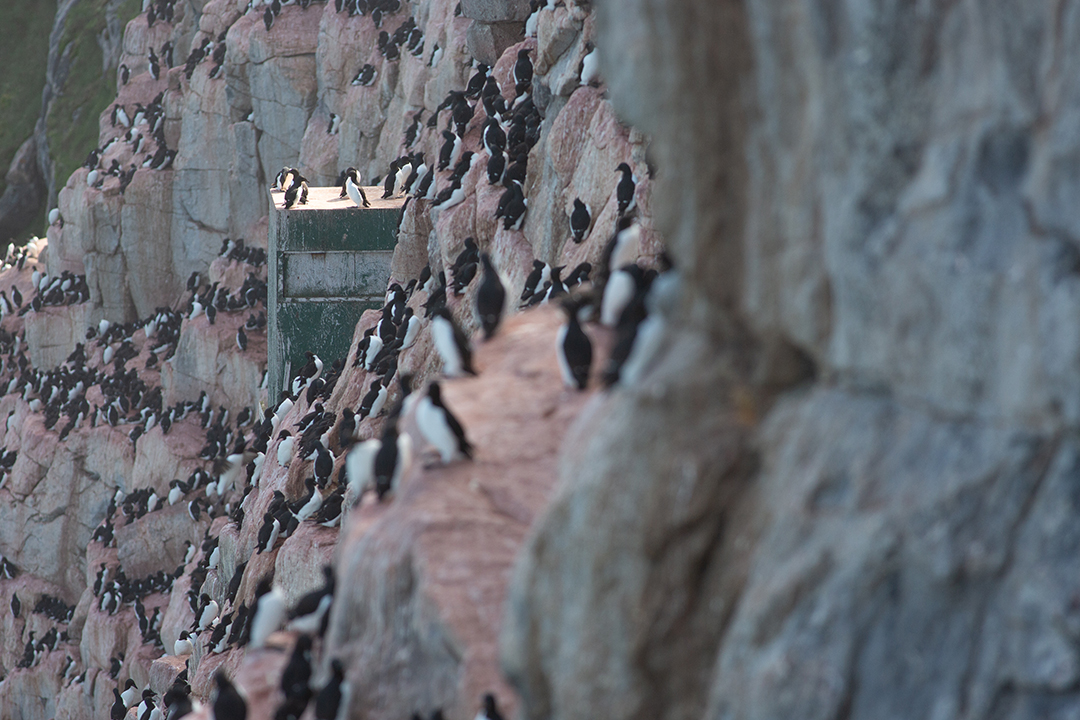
x=374, y=401
x=624, y=191
x=523, y=72
x=451, y=150
x=410, y=328
x=297, y=673
x=489, y=711
x=439, y=426
x=451, y=344
x=490, y=297
x=268, y=533
x=392, y=459
x=618, y=292
x=332, y=700
x=209, y=612
x=229, y=704
x=183, y=644
x=541, y=274
x=269, y=612
x=131, y=694
x=311, y=612
x=580, y=219
x=496, y=168
x=366, y=76
x=590, y=67
x=310, y=504
x=573, y=349
x=351, y=187
x=118, y=711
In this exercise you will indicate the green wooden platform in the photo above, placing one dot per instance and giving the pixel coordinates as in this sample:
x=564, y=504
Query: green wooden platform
x=328, y=262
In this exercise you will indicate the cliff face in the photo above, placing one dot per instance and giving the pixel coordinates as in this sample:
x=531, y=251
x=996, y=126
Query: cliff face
x=873, y=517
x=421, y=579
x=840, y=486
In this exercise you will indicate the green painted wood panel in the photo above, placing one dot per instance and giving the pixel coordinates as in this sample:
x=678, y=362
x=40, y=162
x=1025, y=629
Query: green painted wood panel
x=328, y=262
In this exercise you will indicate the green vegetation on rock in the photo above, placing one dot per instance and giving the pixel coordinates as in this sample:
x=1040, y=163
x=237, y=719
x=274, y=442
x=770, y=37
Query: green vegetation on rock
x=72, y=124
x=24, y=49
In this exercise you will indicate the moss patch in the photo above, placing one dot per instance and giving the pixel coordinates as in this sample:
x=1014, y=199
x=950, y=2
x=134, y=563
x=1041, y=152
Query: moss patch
x=72, y=125
x=24, y=49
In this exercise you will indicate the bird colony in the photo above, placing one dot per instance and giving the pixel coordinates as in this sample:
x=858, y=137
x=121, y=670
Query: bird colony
x=194, y=603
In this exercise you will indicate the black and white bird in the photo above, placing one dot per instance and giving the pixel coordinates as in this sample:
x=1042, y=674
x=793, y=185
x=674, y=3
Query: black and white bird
x=580, y=220
x=332, y=702
x=619, y=290
x=622, y=249
x=351, y=187
x=493, y=137
x=375, y=399
x=297, y=674
x=490, y=297
x=626, y=331
x=229, y=704
x=297, y=193
x=309, y=372
x=312, y=612
x=269, y=612
x=392, y=460
x=490, y=711
x=451, y=149
x=285, y=448
x=131, y=694
x=366, y=76
x=512, y=207
x=590, y=67
x=183, y=644
x=118, y=711
x=409, y=329
x=496, y=168
x=324, y=465
x=573, y=349
x=440, y=427
x=624, y=191
x=360, y=469
x=536, y=279
x=309, y=504
x=523, y=72
x=329, y=514
x=269, y=532
x=208, y=612
x=451, y=344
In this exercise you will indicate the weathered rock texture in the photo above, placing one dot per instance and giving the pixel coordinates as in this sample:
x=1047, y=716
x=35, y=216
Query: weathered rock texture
x=419, y=632
x=843, y=490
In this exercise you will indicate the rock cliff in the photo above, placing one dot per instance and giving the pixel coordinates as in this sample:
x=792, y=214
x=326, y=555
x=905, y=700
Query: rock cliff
x=157, y=393
x=860, y=506
x=836, y=480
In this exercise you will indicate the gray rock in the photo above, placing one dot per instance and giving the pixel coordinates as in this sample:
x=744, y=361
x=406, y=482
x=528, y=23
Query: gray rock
x=488, y=40
x=492, y=11
x=862, y=508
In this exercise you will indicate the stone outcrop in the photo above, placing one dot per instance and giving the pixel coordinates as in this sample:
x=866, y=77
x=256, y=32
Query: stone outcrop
x=420, y=632
x=858, y=503
x=840, y=488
